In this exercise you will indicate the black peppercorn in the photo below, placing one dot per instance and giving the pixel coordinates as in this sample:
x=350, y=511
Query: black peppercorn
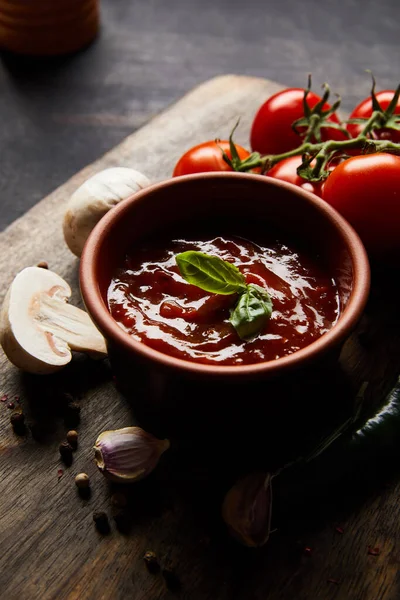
x=151, y=561
x=101, y=521
x=72, y=438
x=122, y=521
x=66, y=453
x=82, y=481
x=17, y=421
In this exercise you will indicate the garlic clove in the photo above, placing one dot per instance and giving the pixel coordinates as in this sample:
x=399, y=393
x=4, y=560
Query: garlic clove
x=247, y=509
x=129, y=454
x=94, y=198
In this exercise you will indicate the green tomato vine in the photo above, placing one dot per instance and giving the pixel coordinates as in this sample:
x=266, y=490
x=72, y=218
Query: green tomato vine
x=317, y=155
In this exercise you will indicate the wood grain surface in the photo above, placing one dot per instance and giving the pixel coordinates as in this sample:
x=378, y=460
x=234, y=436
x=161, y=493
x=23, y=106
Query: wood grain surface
x=50, y=549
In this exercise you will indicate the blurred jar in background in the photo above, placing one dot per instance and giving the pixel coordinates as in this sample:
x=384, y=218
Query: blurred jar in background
x=47, y=27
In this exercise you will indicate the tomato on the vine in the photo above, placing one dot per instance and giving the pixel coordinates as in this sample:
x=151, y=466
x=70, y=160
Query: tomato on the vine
x=366, y=191
x=364, y=111
x=207, y=157
x=286, y=170
x=272, y=132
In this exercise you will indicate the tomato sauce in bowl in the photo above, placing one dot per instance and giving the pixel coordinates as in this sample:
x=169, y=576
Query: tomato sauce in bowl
x=150, y=300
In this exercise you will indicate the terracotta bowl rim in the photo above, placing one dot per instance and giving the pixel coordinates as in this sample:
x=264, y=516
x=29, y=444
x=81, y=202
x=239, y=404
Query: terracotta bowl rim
x=334, y=337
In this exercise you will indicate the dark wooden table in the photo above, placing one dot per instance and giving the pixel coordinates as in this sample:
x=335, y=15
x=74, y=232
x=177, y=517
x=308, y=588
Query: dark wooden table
x=60, y=115
x=57, y=117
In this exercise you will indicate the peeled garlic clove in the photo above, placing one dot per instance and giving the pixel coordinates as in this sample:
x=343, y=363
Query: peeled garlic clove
x=128, y=454
x=247, y=509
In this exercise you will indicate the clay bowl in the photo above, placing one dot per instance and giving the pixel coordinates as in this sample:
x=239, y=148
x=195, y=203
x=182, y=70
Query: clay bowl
x=165, y=381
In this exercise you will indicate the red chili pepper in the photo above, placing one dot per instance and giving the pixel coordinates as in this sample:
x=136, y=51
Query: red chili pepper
x=336, y=581
x=60, y=473
x=4, y=398
x=307, y=550
x=374, y=551
x=11, y=405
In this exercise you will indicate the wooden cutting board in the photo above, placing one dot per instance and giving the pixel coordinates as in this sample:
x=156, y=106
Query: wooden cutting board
x=49, y=548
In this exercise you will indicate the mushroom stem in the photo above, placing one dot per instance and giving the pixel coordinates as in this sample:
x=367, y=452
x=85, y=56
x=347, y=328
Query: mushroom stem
x=70, y=324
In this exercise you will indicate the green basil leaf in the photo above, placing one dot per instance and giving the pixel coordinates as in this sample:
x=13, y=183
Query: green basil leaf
x=251, y=312
x=210, y=273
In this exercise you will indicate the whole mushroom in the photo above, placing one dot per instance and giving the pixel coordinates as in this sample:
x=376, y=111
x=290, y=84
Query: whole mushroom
x=94, y=198
x=38, y=329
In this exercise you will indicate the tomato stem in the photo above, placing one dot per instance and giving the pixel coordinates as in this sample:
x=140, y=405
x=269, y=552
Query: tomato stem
x=320, y=153
x=374, y=120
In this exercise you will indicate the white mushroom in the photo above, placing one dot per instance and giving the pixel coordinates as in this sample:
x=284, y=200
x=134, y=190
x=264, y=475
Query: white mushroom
x=94, y=198
x=38, y=329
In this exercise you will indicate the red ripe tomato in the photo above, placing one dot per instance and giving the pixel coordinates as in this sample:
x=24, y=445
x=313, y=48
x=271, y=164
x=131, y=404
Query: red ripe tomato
x=366, y=191
x=286, y=170
x=272, y=132
x=207, y=157
x=364, y=111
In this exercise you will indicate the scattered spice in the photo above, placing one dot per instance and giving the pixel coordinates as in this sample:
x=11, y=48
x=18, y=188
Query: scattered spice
x=101, y=521
x=339, y=530
x=17, y=399
x=17, y=421
x=82, y=481
x=72, y=438
x=65, y=450
x=171, y=580
x=119, y=500
x=4, y=398
x=122, y=521
x=374, y=551
x=11, y=405
x=72, y=415
x=42, y=264
x=151, y=561
x=60, y=473
x=307, y=550
x=335, y=581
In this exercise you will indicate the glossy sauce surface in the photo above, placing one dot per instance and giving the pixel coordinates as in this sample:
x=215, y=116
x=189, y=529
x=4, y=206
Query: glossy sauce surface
x=148, y=298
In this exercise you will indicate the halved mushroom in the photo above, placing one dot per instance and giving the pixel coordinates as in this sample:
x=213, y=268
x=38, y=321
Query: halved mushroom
x=38, y=329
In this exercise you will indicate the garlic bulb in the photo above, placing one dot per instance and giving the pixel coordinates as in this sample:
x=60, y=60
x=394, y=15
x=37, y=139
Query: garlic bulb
x=128, y=454
x=247, y=509
x=94, y=198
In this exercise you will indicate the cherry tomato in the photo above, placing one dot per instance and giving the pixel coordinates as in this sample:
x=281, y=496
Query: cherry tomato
x=286, y=171
x=206, y=157
x=364, y=111
x=272, y=132
x=366, y=191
